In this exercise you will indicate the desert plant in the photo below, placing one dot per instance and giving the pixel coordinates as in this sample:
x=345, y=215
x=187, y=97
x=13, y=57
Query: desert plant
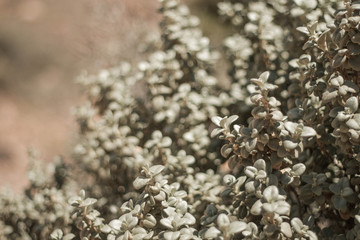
x=166, y=152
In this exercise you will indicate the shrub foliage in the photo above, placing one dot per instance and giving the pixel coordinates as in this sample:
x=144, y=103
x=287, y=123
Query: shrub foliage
x=167, y=152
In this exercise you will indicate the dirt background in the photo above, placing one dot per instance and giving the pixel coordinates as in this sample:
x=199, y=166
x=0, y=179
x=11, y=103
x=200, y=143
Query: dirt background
x=44, y=45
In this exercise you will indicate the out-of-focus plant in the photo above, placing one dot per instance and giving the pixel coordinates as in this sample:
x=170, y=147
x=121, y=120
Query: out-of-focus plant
x=283, y=161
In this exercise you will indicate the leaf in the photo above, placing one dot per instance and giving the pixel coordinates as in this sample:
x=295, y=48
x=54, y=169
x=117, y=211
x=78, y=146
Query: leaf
x=290, y=126
x=270, y=229
x=160, y=197
x=69, y=236
x=131, y=221
x=251, y=186
x=180, y=194
x=212, y=233
x=357, y=218
x=236, y=227
x=336, y=80
x=352, y=104
x=269, y=86
x=321, y=41
x=295, y=113
x=236, y=128
x=274, y=144
x=286, y=178
x=225, y=150
x=115, y=224
x=282, y=208
x=240, y=181
x=139, y=230
x=189, y=219
x=246, y=131
x=149, y=221
x=156, y=134
x=351, y=87
x=308, y=132
x=226, y=192
x=57, y=234
x=166, y=142
x=335, y=188
x=312, y=25
x=156, y=169
x=353, y=124
x=320, y=178
x=259, y=112
x=256, y=208
x=312, y=235
x=297, y=224
x=354, y=62
x=299, y=169
x=354, y=49
x=172, y=235
x=261, y=175
x=308, y=44
x=356, y=38
x=277, y=115
x=223, y=221
x=250, y=230
x=250, y=144
x=257, y=82
x=126, y=235
x=256, y=97
x=271, y=193
x=303, y=30
x=304, y=59
x=290, y=145
x=166, y=222
x=105, y=229
x=242, y=212
x=216, y=132
x=317, y=190
x=140, y=182
x=216, y=120
x=334, y=112
x=264, y=76
x=75, y=201
x=339, y=202
x=328, y=96
x=189, y=136
x=355, y=5
x=229, y=179
x=260, y=164
x=344, y=182
x=82, y=193
x=211, y=210
x=269, y=207
x=88, y=202
x=346, y=192
x=338, y=60
x=250, y=171
x=230, y=120
x=286, y=229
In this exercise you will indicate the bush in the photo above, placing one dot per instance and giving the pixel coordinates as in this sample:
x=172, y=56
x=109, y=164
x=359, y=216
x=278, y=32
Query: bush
x=284, y=159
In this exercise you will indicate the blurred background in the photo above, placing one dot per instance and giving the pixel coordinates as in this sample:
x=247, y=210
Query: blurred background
x=44, y=45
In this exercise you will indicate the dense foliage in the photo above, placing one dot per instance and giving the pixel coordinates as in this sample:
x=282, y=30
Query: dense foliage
x=283, y=161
